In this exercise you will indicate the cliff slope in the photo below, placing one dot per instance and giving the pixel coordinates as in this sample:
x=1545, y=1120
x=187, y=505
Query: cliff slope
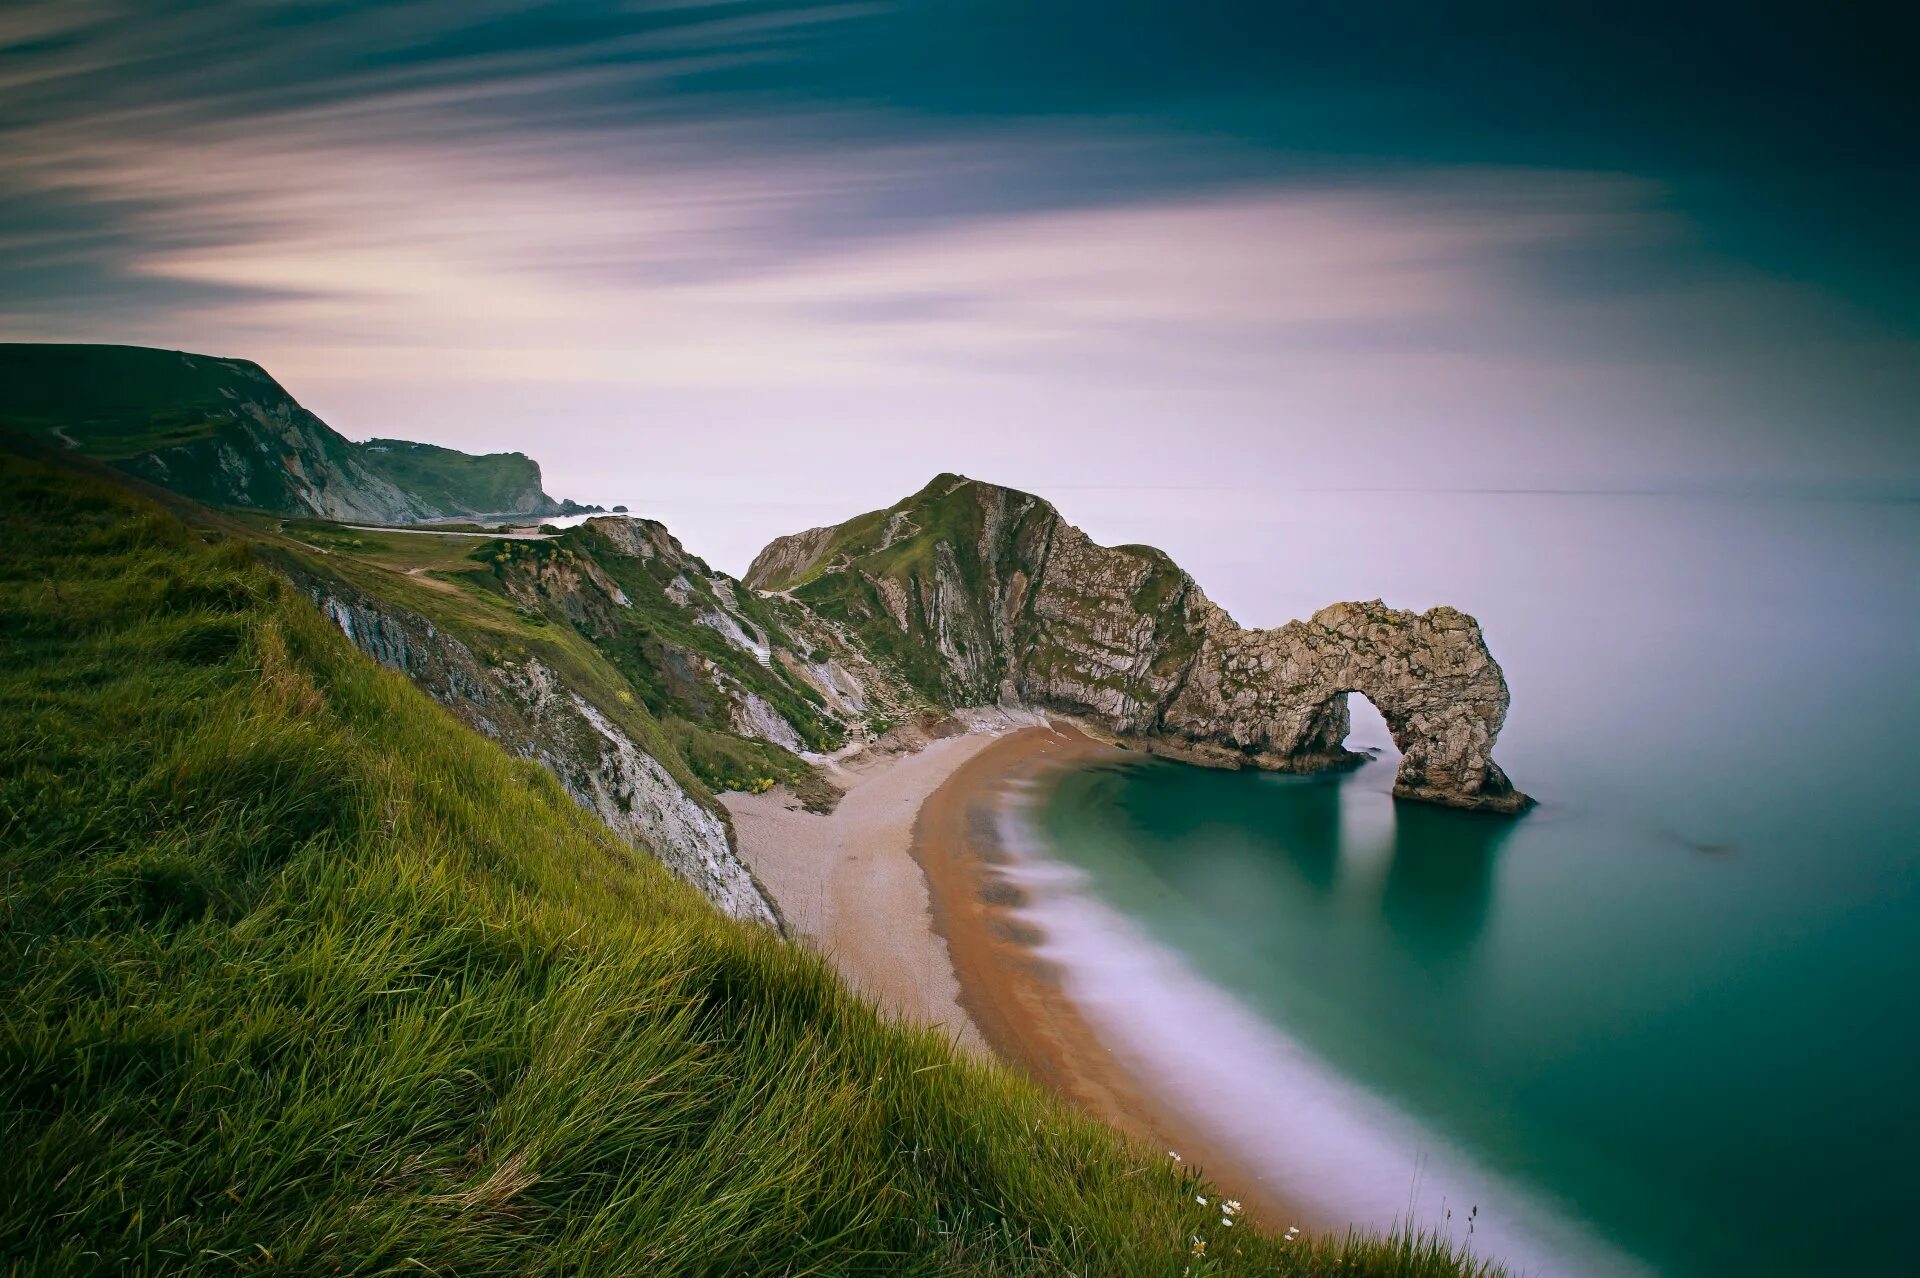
x=970, y=592
x=301, y=974
x=222, y=432
x=639, y=713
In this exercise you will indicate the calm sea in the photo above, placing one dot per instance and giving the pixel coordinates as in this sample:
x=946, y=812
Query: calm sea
x=1667, y=1022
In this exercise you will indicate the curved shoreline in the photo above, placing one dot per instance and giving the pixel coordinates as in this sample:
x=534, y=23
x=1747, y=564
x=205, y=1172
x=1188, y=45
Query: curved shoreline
x=1013, y=995
x=903, y=886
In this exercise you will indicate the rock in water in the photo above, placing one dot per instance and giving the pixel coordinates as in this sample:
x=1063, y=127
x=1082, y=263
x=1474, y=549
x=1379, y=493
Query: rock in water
x=970, y=593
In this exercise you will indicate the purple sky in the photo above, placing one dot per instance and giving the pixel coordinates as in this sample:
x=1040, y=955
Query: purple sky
x=760, y=266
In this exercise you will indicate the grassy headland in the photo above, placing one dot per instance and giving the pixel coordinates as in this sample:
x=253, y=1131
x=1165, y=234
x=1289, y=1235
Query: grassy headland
x=301, y=975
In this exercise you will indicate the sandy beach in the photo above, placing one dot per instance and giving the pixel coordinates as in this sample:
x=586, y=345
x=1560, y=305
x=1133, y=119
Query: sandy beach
x=847, y=881
x=901, y=887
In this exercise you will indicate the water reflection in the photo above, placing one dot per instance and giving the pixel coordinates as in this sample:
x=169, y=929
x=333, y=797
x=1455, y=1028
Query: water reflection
x=1432, y=869
x=1439, y=889
x=1293, y=820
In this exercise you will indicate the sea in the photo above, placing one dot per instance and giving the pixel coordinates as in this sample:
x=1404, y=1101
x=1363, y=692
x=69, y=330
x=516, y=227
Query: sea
x=1666, y=1023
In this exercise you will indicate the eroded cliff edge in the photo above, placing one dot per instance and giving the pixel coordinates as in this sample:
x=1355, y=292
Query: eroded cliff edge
x=536, y=712
x=969, y=592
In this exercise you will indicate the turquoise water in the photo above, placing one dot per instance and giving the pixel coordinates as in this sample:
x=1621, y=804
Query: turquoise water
x=1674, y=1005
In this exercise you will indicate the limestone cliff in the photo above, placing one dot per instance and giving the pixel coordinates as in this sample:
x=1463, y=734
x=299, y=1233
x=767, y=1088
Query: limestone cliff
x=698, y=649
x=224, y=433
x=967, y=593
x=535, y=711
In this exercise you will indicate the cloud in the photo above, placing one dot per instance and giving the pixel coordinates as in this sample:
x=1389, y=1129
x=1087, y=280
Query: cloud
x=480, y=210
x=687, y=252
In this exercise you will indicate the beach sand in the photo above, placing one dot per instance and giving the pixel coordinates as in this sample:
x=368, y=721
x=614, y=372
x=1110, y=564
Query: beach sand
x=899, y=886
x=847, y=881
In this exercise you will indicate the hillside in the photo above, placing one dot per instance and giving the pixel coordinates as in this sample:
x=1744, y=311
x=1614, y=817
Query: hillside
x=223, y=432
x=303, y=975
x=642, y=679
x=974, y=593
x=458, y=483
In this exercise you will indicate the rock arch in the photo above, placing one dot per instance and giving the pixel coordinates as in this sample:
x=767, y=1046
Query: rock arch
x=1279, y=697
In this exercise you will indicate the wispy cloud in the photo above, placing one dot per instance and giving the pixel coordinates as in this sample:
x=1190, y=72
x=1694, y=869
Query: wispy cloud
x=395, y=205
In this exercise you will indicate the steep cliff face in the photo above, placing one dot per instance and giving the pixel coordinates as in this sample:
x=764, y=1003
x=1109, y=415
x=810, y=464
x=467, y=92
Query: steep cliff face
x=968, y=592
x=222, y=432
x=457, y=483
x=533, y=711
x=697, y=648
x=1281, y=695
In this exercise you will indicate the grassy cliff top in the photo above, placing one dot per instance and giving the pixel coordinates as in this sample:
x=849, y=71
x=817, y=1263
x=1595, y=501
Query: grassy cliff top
x=117, y=403
x=114, y=402
x=302, y=976
x=484, y=483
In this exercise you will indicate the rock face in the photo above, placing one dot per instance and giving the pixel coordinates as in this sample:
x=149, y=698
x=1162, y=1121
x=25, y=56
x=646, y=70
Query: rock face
x=529, y=709
x=1281, y=695
x=971, y=593
x=224, y=433
x=705, y=652
x=457, y=483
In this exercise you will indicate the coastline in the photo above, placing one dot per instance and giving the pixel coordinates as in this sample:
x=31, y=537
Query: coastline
x=846, y=880
x=902, y=887
x=1014, y=994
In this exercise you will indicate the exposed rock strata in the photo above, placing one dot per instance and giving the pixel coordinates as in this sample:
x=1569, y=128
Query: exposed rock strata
x=970, y=592
x=528, y=709
x=223, y=432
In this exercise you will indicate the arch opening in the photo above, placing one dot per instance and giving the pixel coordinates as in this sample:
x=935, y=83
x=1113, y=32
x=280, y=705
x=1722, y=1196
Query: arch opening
x=1367, y=729
x=1349, y=727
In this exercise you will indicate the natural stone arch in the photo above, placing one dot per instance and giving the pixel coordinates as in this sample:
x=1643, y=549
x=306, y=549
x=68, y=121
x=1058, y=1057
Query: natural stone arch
x=987, y=593
x=1279, y=697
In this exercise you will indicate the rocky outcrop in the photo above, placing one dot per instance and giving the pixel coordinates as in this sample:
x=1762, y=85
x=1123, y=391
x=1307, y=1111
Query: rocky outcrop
x=457, y=483
x=972, y=593
x=787, y=559
x=1281, y=696
x=530, y=710
x=263, y=451
x=224, y=433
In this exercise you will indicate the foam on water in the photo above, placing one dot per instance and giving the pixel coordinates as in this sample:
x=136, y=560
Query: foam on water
x=1312, y=1135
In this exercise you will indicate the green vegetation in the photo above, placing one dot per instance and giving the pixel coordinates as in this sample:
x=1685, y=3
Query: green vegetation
x=223, y=432
x=726, y=761
x=116, y=402
x=302, y=976
x=401, y=551
x=928, y=548
x=655, y=640
x=485, y=484
x=513, y=599
x=468, y=605
x=928, y=543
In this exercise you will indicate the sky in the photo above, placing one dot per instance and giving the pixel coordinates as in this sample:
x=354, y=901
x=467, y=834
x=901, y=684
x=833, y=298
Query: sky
x=756, y=266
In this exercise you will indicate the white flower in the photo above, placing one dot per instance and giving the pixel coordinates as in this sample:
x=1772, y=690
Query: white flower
x=1227, y=1221
x=1201, y=1199
x=1175, y=1157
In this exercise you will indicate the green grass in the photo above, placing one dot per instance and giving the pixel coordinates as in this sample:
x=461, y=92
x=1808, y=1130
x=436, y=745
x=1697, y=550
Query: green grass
x=489, y=483
x=116, y=402
x=402, y=551
x=124, y=403
x=727, y=761
x=302, y=976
